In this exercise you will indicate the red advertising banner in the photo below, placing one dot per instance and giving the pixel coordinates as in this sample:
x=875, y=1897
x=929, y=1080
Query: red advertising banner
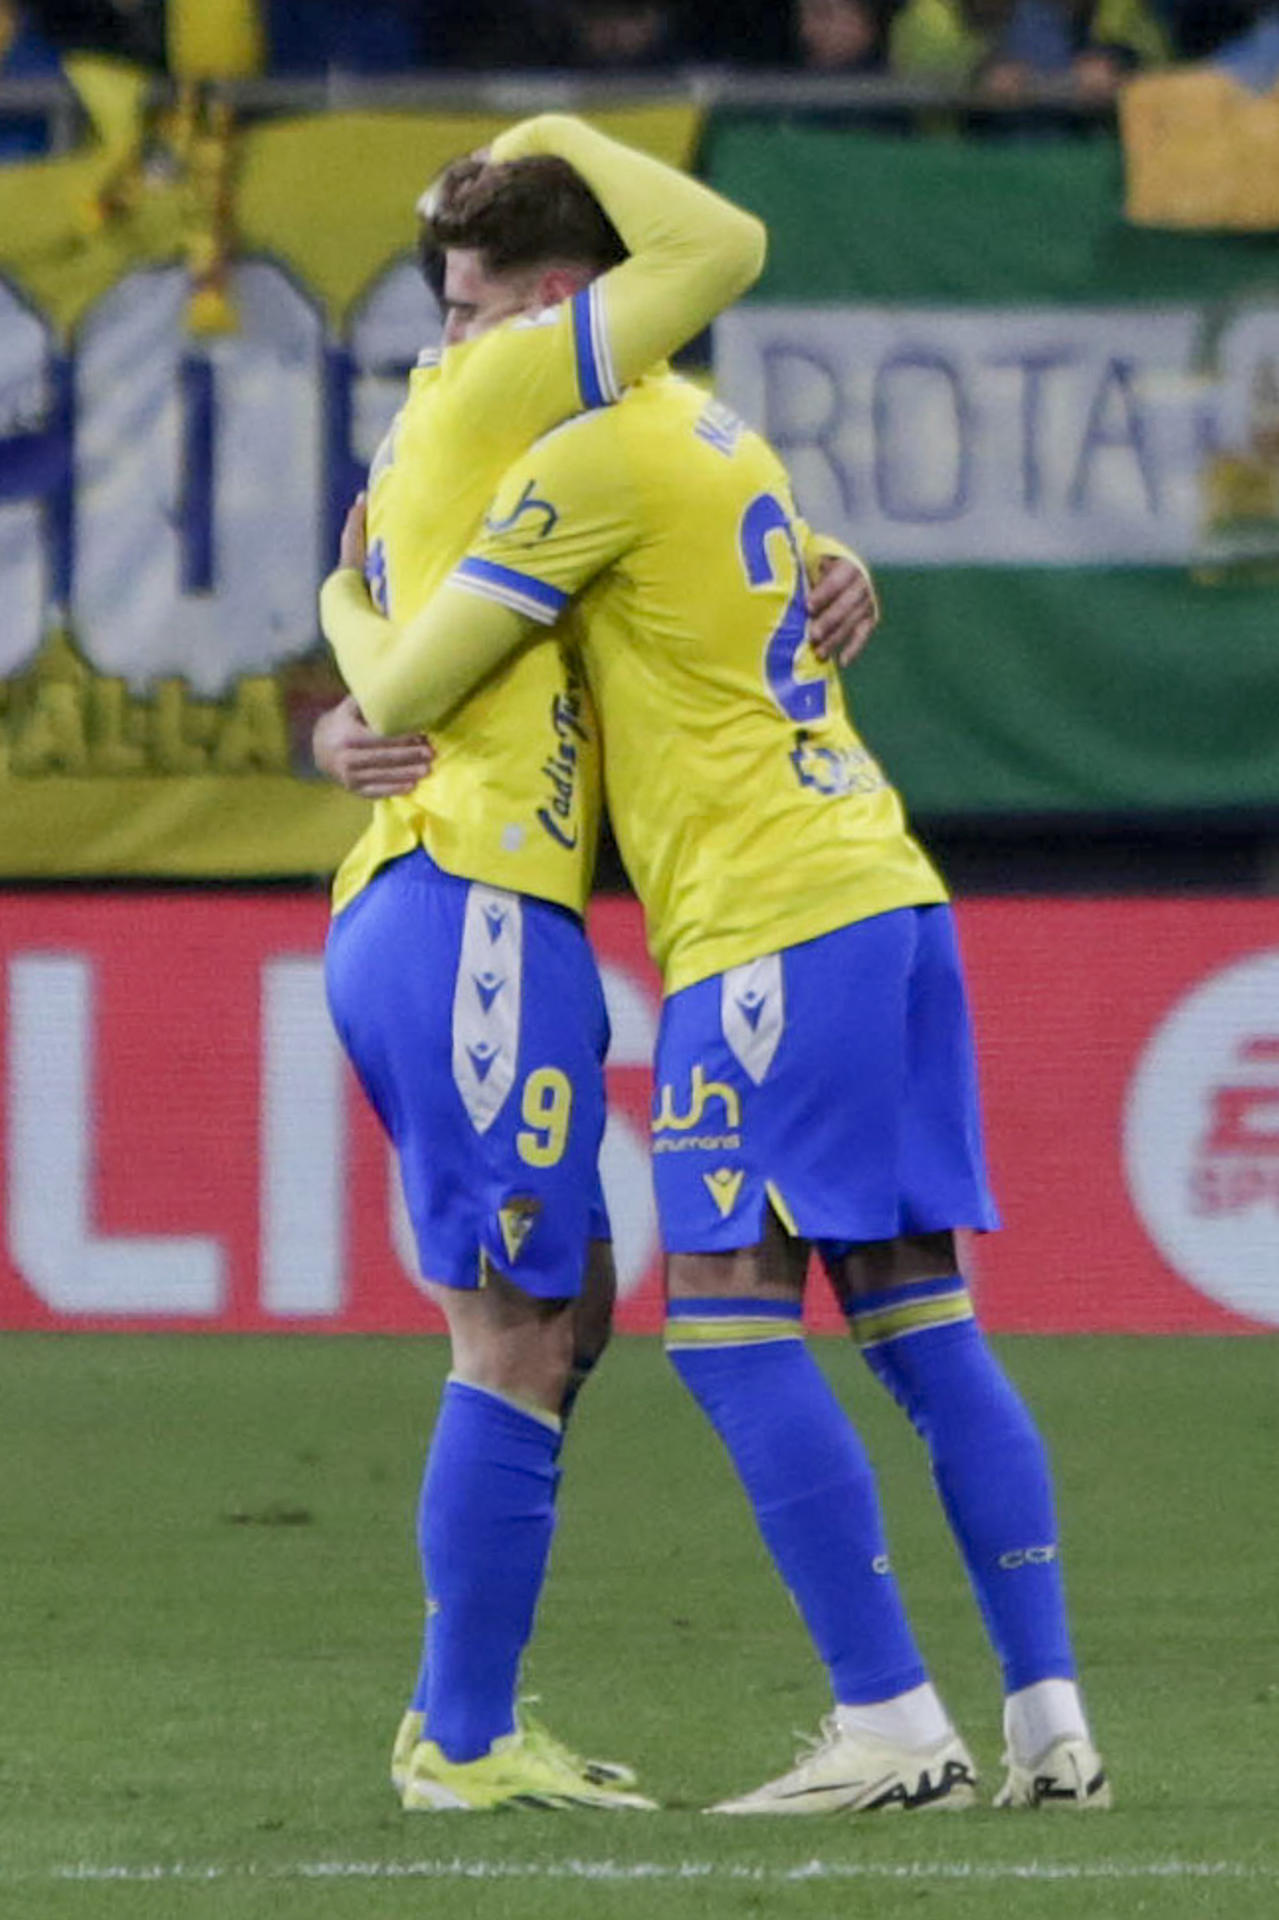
x=184, y=1147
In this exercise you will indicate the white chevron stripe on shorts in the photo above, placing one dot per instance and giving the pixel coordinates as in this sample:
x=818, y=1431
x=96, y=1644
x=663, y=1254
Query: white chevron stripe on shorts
x=486, y=1002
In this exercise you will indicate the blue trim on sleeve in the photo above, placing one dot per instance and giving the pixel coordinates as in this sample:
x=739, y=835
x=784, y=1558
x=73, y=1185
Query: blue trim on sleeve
x=589, y=380
x=533, y=596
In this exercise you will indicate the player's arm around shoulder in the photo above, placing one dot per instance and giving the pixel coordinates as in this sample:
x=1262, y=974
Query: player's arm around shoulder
x=692, y=252
x=412, y=676
x=566, y=509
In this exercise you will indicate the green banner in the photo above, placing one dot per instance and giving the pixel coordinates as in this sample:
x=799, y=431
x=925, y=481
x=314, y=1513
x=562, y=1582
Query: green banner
x=1056, y=438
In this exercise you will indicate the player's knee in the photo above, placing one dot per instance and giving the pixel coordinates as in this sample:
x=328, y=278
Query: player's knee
x=510, y=1342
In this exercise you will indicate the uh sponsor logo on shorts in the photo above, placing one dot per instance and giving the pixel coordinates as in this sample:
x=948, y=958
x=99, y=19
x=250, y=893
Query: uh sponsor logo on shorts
x=706, y=1119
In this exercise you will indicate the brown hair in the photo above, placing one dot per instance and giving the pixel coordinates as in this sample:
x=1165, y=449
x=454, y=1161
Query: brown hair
x=516, y=213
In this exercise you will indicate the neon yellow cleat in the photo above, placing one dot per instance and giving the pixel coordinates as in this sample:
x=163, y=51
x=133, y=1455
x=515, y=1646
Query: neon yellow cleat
x=858, y=1773
x=605, y=1773
x=1070, y=1773
x=407, y=1736
x=602, y=1773
x=519, y=1770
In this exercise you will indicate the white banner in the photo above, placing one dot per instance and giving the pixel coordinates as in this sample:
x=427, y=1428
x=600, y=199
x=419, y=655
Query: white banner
x=1068, y=436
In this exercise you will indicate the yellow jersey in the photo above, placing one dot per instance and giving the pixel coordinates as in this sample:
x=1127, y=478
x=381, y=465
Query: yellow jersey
x=749, y=813
x=512, y=796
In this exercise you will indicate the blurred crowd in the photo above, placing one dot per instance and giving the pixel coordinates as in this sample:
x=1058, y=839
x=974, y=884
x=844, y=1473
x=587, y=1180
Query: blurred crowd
x=1004, y=49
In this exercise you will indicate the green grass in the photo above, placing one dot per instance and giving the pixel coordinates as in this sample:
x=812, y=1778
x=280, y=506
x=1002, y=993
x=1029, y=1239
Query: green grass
x=209, y=1615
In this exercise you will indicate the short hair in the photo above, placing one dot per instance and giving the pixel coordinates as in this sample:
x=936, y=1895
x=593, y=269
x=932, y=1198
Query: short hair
x=514, y=213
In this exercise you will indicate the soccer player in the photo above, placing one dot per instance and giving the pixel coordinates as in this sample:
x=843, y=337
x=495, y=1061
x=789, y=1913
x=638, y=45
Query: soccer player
x=815, y=1083
x=457, y=941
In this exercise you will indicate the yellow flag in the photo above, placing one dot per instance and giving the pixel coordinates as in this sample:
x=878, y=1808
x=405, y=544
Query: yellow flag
x=215, y=39
x=113, y=94
x=1200, y=152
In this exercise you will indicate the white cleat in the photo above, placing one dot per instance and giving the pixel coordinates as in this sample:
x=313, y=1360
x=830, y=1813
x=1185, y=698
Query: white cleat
x=860, y=1773
x=1070, y=1773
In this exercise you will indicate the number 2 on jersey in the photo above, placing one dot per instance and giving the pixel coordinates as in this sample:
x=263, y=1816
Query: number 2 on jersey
x=545, y=1110
x=800, y=700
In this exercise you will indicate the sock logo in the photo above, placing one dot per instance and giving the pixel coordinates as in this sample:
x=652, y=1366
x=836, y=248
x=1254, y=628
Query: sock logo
x=1027, y=1557
x=724, y=1186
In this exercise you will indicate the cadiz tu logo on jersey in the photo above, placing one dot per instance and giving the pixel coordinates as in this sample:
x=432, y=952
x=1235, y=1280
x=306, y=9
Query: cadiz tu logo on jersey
x=676, y=1129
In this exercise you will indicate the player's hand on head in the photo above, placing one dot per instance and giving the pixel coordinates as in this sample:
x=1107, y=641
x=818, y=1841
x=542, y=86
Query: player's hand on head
x=346, y=749
x=354, y=545
x=843, y=611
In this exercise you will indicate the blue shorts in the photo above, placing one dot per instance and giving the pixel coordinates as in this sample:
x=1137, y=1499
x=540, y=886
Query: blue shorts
x=834, y=1080
x=475, y=1020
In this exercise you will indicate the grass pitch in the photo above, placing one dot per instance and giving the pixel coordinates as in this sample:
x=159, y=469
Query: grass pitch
x=209, y=1617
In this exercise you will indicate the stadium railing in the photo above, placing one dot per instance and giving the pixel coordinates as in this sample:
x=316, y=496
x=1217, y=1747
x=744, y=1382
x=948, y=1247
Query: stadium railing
x=522, y=92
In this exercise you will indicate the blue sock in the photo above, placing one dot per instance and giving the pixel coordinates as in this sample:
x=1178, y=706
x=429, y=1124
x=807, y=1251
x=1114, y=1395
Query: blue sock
x=809, y=1481
x=582, y=1368
x=989, y=1463
x=485, y=1522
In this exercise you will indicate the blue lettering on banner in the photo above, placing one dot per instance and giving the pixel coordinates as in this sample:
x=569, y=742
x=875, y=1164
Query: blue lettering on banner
x=1121, y=427
x=1035, y=367
x=1004, y=435
x=36, y=465
x=890, y=480
x=197, y=469
x=790, y=437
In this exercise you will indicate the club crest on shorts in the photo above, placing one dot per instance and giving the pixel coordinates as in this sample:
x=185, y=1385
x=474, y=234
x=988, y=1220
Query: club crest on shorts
x=515, y=1222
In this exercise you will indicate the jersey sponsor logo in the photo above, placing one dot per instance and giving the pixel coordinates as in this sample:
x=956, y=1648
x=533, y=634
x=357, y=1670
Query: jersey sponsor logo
x=1201, y=1137
x=515, y=1222
x=703, y=1093
x=527, y=503
x=563, y=763
x=835, y=771
x=724, y=1185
